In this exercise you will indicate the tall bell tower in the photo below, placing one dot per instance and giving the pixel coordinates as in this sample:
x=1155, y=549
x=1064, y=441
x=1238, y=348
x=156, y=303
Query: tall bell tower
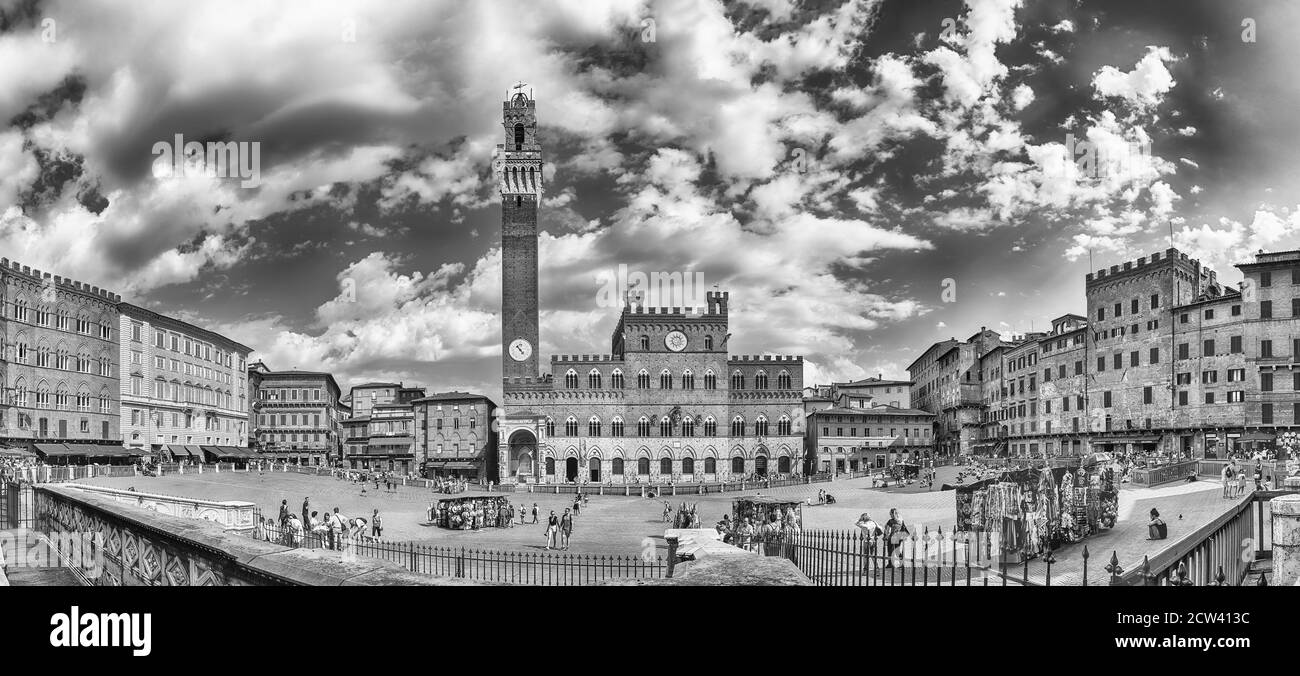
x=517, y=166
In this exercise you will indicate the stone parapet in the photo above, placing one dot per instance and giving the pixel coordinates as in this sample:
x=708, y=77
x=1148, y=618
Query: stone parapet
x=1286, y=539
x=140, y=547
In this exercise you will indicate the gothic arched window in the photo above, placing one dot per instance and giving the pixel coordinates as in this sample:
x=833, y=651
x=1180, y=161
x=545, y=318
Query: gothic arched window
x=688, y=380
x=738, y=426
x=688, y=465
x=643, y=379
x=643, y=427
x=710, y=380
x=571, y=379
x=571, y=427
x=616, y=379
x=760, y=380
x=783, y=425
x=688, y=427
x=665, y=465
x=708, y=342
x=616, y=427
x=737, y=380
x=783, y=381
x=710, y=427
x=665, y=380
x=593, y=379
x=760, y=426
x=593, y=426
x=665, y=427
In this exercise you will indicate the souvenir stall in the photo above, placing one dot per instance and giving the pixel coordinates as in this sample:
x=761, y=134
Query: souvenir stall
x=1025, y=512
x=904, y=470
x=469, y=513
x=762, y=509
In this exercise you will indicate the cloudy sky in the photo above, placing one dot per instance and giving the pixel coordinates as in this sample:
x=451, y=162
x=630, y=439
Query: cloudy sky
x=836, y=165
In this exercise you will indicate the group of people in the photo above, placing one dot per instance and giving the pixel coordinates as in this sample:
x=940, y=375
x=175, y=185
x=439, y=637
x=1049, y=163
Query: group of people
x=891, y=535
x=331, y=531
x=18, y=469
x=746, y=533
x=686, y=516
x=1236, y=479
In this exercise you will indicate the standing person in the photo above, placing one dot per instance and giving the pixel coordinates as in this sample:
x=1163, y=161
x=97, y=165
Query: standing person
x=577, y=504
x=1259, y=477
x=1227, y=481
x=895, y=531
x=284, y=513
x=552, y=526
x=335, y=521
x=566, y=529
x=376, y=525
x=534, y=512
x=306, y=513
x=260, y=534
x=668, y=510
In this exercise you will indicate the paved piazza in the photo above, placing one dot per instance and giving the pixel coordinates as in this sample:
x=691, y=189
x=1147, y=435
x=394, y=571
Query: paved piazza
x=617, y=525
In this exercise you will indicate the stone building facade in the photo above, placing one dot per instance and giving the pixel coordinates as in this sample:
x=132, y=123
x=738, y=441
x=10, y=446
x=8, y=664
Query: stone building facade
x=378, y=432
x=666, y=403
x=180, y=384
x=1167, y=360
x=59, y=361
x=946, y=382
x=297, y=417
x=848, y=431
x=454, y=436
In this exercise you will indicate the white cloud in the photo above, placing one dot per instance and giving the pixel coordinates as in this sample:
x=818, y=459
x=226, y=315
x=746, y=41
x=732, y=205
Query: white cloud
x=1142, y=87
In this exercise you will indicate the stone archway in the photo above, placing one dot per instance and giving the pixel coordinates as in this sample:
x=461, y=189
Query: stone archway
x=523, y=455
x=570, y=469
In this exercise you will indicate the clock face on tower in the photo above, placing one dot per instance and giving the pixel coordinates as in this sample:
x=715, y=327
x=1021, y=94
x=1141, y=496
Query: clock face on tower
x=520, y=349
x=675, y=341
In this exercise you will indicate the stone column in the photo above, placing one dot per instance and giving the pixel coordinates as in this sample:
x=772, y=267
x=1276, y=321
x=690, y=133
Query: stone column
x=1286, y=539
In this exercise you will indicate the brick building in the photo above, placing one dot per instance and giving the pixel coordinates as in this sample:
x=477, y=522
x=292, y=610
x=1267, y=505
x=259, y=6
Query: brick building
x=946, y=382
x=1167, y=360
x=180, y=384
x=296, y=416
x=454, y=436
x=59, y=360
x=667, y=403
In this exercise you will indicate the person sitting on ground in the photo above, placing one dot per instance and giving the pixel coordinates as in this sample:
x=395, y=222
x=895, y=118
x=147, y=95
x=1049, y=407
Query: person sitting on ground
x=1156, y=529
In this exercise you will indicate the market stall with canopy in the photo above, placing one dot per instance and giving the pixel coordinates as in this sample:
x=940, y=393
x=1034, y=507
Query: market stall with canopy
x=469, y=512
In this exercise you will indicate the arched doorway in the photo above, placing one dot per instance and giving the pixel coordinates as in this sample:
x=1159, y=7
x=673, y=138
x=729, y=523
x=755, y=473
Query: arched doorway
x=523, y=454
x=571, y=469
x=783, y=464
x=593, y=470
x=760, y=465
x=737, y=465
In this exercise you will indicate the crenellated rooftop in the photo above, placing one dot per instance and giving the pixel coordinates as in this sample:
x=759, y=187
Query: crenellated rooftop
x=62, y=282
x=1170, y=255
x=783, y=358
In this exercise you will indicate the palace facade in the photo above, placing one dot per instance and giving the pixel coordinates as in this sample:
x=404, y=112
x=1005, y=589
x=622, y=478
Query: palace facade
x=667, y=403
